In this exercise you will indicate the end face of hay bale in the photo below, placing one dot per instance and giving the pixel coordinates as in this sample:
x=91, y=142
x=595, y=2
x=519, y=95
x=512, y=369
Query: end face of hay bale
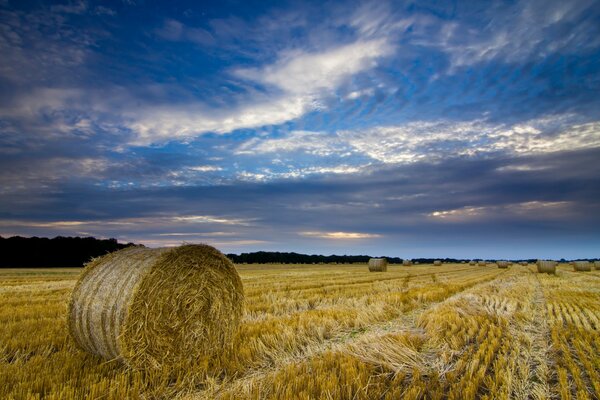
x=546, y=266
x=437, y=262
x=157, y=308
x=378, y=265
x=502, y=264
x=581, y=266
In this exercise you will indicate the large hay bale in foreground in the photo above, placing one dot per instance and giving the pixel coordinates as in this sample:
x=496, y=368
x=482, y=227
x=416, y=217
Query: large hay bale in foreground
x=582, y=266
x=157, y=308
x=406, y=262
x=546, y=266
x=378, y=265
x=437, y=262
x=502, y=264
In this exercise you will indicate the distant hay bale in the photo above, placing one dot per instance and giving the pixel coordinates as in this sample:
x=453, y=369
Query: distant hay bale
x=157, y=308
x=597, y=265
x=482, y=263
x=546, y=266
x=378, y=265
x=582, y=266
x=472, y=262
x=437, y=262
x=524, y=263
x=406, y=262
x=502, y=264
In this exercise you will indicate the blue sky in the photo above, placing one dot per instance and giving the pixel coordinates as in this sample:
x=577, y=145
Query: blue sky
x=458, y=129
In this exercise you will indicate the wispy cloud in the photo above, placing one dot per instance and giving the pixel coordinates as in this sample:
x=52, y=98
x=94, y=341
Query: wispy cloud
x=340, y=235
x=530, y=209
x=525, y=30
x=294, y=85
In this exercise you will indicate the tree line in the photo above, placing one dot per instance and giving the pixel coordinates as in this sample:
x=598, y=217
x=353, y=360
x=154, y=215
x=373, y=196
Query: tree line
x=36, y=252
x=275, y=257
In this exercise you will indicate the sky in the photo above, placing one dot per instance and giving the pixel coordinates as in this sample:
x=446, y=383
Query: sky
x=414, y=129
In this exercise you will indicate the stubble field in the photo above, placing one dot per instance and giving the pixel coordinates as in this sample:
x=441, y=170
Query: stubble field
x=338, y=332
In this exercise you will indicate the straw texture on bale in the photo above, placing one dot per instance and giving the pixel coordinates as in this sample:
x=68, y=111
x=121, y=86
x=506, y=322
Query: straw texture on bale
x=597, y=265
x=582, y=266
x=546, y=266
x=378, y=265
x=502, y=264
x=157, y=308
x=406, y=262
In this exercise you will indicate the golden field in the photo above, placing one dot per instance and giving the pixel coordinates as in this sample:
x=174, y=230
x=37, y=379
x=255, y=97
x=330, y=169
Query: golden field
x=338, y=332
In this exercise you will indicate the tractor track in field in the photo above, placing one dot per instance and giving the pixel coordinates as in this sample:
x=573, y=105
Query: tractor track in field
x=406, y=322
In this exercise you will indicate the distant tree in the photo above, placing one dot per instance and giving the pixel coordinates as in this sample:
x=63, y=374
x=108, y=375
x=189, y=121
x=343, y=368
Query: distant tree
x=36, y=252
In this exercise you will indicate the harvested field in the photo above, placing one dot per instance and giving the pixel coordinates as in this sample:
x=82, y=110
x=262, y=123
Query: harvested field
x=337, y=331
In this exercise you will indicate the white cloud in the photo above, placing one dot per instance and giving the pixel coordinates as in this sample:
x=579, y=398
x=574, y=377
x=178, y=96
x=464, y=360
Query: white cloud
x=526, y=210
x=435, y=140
x=297, y=173
x=526, y=29
x=316, y=143
x=295, y=85
x=303, y=73
x=206, y=168
x=339, y=235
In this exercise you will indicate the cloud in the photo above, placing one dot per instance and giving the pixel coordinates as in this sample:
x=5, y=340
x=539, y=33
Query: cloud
x=316, y=143
x=433, y=141
x=295, y=84
x=528, y=210
x=206, y=168
x=526, y=30
x=340, y=235
x=176, y=31
x=266, y=175
x=303, y=73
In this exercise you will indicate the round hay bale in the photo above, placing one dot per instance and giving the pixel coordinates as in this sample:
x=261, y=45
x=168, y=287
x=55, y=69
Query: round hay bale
x=523, y=263
x=378, y=265
x=437, y=262
x=472, y=262
x=406, y=262
x=502, y=264
x=582, y=266
x=546, y=266
x=157, y=308
x=482, y=263
x=597, y=265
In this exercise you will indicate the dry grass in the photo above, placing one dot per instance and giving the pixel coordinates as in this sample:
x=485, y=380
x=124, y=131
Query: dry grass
x=338, y=332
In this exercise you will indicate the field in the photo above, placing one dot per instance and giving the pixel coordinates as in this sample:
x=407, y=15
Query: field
x=338, y=332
